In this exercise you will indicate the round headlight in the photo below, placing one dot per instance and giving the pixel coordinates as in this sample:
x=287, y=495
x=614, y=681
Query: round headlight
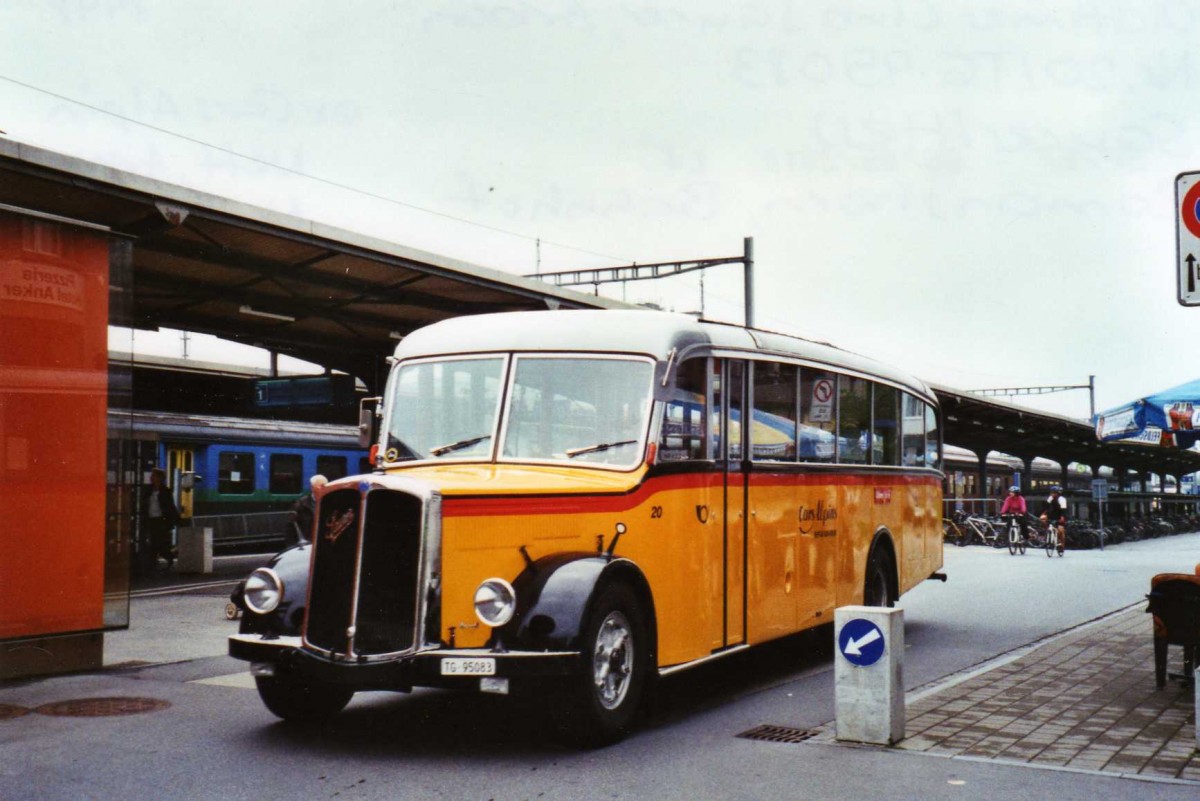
x=495, y=602
x=264, y=591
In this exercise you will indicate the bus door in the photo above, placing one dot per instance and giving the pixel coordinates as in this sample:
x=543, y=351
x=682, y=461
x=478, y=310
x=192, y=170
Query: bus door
x=181, y=460
x=729, y=405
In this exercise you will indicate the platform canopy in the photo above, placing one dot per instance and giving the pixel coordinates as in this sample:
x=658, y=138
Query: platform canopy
x=1170, y=418
x=213, y=265
x=985, y=424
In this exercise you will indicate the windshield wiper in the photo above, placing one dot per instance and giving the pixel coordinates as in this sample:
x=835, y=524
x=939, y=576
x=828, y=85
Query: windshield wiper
x=457, y=446
x=571, y=454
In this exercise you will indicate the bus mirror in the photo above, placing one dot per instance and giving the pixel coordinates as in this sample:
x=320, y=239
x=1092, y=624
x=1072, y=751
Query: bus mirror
x=367, y=415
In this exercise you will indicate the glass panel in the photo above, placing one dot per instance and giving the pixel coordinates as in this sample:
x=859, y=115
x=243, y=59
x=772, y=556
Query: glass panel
x=332, y=467
x=737, y=383
x=286, y=473
x=445, y=410
x=912, y=431
x=818, y=415
x=854, y=419
x=932, y=451
x=773, y=433
x=885, y=442
x=716, y=413
x=582, y=410
x=683, y=434
x=235, y=473
x=60, y=543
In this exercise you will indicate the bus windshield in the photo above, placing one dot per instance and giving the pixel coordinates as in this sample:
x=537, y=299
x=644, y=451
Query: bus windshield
x=582, y=410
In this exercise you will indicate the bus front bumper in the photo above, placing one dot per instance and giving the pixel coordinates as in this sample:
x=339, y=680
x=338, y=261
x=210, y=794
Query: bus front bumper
x=464, y=668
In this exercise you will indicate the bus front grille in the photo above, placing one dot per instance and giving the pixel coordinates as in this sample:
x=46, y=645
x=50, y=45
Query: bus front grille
x=380, y=557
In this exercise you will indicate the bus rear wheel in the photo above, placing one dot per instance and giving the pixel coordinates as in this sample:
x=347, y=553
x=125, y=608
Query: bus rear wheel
x=877, y=587
x=604, y=696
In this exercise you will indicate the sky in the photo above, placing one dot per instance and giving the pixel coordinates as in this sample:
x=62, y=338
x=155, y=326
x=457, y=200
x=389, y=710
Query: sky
x=980, y=193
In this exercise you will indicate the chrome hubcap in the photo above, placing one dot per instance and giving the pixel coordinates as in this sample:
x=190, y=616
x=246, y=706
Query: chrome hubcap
x=612, y=660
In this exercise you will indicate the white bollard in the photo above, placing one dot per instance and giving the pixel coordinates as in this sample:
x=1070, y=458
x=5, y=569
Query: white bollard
x=869, y=674
x=195, y=550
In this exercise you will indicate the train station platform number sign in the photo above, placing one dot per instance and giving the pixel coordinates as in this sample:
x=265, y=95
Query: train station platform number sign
x=1187, y=226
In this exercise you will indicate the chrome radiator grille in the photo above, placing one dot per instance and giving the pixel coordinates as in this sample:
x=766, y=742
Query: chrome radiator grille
x=366, y=573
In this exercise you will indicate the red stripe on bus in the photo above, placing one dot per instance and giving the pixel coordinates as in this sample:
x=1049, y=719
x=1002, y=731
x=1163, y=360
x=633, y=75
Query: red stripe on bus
x=584, y=503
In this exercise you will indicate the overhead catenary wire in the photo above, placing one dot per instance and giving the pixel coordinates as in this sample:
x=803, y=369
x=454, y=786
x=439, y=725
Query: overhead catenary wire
x=307, y=176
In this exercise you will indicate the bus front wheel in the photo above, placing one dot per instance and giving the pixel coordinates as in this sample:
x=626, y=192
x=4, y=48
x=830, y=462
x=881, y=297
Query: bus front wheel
x=298, y=702
x=603, y=698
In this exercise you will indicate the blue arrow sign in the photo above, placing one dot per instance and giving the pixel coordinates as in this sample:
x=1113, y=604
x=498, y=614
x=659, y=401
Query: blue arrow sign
x=861, y=642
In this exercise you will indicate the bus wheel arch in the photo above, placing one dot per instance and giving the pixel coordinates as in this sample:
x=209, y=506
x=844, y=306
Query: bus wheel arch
x=880, y=579
x=601, y=701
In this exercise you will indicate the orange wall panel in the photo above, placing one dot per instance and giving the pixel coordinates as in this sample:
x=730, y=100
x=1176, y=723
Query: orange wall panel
x=53, y=402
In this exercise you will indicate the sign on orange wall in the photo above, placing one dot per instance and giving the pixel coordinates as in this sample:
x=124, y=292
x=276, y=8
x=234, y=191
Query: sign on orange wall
x=53, y=402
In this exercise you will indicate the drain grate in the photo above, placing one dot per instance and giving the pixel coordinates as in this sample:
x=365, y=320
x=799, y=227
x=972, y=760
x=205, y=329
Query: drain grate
x=779, y=734
x=9, y=711
x=101, y=707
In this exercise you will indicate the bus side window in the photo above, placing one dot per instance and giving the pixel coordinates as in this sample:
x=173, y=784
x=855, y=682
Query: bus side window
x=818, y=415
x=886, y=430
x=773, y=422
x=932, y=449
x=854, y=419
x=684, y=415
x=912, y=431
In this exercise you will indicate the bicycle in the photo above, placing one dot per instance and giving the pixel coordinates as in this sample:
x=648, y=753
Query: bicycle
x=1016, y=541
x=1047, y=539
x=952, y=533
x=979, y=527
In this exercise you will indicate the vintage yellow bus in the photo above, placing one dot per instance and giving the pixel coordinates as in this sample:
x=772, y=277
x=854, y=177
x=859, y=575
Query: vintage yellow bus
x=582, y=502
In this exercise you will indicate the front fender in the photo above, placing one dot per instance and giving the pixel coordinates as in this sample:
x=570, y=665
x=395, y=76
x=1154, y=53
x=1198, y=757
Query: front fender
x=291, y=565
x=553, y=595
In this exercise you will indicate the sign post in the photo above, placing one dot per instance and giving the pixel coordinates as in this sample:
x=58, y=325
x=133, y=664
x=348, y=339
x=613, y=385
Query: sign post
x=869, y=674
x=1100, y=495
x=1187, y=228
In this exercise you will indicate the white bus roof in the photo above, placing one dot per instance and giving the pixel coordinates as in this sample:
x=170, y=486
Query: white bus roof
x=652, y=333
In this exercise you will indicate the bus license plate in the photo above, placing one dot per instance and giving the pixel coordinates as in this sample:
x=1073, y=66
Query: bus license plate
x=452, y=666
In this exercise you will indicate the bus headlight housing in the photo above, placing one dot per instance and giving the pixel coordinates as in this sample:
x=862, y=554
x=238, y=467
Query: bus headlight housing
x=495, y=602
x=264, y=591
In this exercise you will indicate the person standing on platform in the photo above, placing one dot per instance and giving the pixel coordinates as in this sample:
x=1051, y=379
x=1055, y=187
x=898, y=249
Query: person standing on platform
x=160, y=516
x=303, y=511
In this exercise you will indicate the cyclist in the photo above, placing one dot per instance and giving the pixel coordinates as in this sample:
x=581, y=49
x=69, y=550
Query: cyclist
x=1054, y=513
x=1014, y=504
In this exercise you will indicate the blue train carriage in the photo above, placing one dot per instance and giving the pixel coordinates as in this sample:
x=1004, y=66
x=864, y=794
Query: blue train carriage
x=242, y=476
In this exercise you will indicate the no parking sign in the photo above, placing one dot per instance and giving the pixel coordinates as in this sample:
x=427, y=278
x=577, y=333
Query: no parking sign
x=1187, y=226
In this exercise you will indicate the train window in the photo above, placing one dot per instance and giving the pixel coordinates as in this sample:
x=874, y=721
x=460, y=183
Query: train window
x=854, y=419
x=885, y=439
x=235, y=473
x=932, y=451
x=287, y=473
x=773, y=429
x=683, y=433
x=818, y=415
x=332, y=467
x=912, y=431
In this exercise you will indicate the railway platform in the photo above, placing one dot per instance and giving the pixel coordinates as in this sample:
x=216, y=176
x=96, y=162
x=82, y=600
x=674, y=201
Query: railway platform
x=1084, y=701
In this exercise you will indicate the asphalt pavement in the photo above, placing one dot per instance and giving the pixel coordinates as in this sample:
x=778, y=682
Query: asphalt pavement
x=1069, y=714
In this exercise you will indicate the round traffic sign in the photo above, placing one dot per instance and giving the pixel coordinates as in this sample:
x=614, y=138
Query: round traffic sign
x=823, y=388
x=861, y=642
x=1189, y=210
